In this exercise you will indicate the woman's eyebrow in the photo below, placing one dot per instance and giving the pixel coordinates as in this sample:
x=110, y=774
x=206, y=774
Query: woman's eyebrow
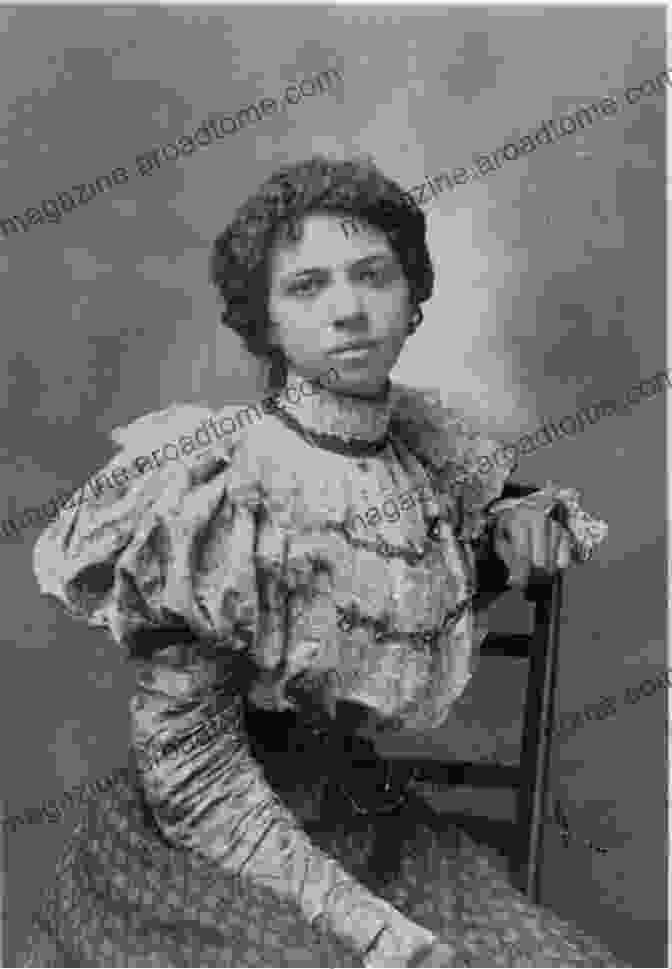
x=295, y=273
x=382, y=256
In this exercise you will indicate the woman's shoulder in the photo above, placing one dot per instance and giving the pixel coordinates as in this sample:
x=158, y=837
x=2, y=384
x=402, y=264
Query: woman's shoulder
x=463, y=460
x=193, y=430
x=442, y=433
x=168, y=477
x=177, y=416
x=184, y=438
x=159, y=458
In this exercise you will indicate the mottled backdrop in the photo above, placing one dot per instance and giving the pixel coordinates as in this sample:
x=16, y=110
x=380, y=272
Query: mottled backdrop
x=550, y=296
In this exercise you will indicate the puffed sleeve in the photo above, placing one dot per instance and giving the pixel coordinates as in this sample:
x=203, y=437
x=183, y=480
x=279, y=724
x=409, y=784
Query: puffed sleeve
x=471, y=472
x=122, y=556
x=173, y=551
x=468, y=469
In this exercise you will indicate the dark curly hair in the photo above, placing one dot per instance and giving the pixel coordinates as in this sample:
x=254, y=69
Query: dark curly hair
x=353, y=188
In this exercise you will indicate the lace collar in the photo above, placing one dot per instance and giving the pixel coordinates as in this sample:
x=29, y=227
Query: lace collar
x=327, y=417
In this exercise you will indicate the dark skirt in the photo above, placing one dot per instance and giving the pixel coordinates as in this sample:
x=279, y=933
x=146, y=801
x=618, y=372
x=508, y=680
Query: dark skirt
x=125, y=897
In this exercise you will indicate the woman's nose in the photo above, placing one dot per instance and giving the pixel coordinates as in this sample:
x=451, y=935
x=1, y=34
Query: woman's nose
x=346, y=304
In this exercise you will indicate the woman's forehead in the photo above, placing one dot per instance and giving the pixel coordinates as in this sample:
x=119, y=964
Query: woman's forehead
x=324, y=242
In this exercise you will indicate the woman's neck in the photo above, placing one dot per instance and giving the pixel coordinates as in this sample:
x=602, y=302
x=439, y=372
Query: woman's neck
x=339, y=388
x=326, y=408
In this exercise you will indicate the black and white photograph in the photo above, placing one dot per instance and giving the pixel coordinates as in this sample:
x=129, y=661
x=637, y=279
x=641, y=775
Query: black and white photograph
x=334, y=528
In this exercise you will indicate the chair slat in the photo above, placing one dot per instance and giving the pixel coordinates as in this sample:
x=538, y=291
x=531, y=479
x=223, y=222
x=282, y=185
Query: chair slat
x=530, y=778
x=507, y=644
x=467, y=773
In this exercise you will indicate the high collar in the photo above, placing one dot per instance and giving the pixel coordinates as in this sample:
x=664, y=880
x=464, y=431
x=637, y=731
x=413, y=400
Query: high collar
x=322, y=411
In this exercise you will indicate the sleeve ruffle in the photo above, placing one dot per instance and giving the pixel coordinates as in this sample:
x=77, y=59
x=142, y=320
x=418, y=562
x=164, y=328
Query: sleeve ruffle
x=587, y=533
x=469, y=469
x=123, y=557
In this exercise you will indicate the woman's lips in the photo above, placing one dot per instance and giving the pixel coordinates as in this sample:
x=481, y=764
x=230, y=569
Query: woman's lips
x=355, y=353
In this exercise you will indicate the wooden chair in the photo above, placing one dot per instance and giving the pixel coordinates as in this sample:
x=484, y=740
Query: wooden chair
x=530, y=777
x=522, y=838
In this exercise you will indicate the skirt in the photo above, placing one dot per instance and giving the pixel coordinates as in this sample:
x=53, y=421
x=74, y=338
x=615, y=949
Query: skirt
x=123, y=896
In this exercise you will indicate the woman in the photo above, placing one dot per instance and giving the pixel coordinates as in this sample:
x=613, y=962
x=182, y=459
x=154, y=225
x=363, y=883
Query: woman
x=249, y=597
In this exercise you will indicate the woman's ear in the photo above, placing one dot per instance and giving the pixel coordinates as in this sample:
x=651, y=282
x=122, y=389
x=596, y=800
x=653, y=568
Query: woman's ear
x=415, y=318
x=272, y=336
x=277, y=367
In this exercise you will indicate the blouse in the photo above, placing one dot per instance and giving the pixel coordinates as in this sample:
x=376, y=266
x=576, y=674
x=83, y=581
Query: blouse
x=311, y=547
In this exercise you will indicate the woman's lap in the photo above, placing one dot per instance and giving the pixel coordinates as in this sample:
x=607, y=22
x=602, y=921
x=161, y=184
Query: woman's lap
x=123, y=897
x=447, y=884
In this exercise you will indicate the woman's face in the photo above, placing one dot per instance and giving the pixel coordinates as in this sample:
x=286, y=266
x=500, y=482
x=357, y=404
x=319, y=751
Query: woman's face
x=331, y=290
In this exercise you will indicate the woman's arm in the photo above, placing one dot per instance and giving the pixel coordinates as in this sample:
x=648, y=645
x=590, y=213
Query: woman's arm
x=173, y=555
x=210, y=795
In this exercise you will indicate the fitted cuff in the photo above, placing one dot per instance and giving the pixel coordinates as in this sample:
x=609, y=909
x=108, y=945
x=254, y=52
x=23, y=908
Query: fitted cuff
x=400, y=943
x=586, y=532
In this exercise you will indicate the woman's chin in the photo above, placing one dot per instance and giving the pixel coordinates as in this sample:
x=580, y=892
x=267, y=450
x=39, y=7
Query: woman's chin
x=359, y=381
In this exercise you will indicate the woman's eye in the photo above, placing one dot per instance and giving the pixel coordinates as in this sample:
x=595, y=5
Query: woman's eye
x=379, y=275
x=304, y=287
x=374, y=275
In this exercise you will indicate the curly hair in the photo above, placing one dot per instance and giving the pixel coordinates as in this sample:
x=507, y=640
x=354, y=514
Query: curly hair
x=354, y=188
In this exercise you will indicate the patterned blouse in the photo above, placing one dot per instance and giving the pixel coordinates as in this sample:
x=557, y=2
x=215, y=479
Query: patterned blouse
x=306, y=550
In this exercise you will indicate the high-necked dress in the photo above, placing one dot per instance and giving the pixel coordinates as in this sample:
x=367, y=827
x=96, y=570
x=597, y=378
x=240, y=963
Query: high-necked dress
x=308, y=554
